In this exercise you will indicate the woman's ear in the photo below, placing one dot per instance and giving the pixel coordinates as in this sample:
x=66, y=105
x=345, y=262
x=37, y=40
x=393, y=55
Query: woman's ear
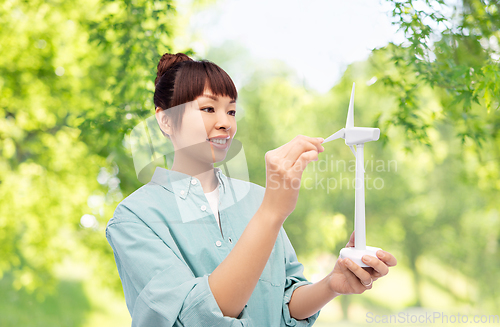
x=163, y=121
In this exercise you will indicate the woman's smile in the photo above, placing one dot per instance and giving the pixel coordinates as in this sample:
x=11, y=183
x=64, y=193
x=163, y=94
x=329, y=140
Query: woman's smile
x=220, y=143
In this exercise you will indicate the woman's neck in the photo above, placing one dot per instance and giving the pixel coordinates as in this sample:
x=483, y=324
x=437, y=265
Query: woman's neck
x=205, y=173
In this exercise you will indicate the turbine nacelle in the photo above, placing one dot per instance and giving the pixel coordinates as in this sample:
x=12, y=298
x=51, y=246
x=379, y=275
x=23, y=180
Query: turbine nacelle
x=358, y=135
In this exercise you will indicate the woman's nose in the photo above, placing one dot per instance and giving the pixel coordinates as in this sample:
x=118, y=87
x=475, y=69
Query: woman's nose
x=223, y=120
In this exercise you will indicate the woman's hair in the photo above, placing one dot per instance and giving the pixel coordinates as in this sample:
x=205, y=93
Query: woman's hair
x=181, y=79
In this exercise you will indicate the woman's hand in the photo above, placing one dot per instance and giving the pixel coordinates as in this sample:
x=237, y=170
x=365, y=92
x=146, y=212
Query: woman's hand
x=284, y=167
x=349, y=278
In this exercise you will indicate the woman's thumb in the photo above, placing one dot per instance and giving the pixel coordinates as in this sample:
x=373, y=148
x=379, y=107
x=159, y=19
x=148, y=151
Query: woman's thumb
x=304, y=159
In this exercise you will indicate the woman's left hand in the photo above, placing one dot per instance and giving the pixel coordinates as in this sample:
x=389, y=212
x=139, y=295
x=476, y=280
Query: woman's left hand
x=349, y=278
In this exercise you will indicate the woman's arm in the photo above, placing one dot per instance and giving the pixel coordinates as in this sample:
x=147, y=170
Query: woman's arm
x=308, y=299
x=346, y=278
x=233, y=281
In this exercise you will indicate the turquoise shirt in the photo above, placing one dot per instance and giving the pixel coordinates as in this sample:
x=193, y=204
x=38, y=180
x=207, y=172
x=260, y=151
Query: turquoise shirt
x=166, y=242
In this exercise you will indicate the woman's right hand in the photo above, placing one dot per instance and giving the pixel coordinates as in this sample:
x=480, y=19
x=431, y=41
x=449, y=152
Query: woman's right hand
x=284, y=167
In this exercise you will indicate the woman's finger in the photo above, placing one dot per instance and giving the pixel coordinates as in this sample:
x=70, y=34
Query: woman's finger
x=304, y=159
x=351, y=279
x=351, y=241
x=376, y=264
x=299, y=145
x=386, y=257
x=357, y=277
x=375, y=274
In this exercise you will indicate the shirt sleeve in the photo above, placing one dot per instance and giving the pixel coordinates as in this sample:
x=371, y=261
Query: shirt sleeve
x=159, y=287
x=294, y=279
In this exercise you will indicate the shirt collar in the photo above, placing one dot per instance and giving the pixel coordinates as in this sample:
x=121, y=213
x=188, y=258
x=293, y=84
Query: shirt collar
x=180, y=183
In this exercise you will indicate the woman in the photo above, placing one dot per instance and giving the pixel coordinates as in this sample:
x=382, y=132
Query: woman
x=187, y=252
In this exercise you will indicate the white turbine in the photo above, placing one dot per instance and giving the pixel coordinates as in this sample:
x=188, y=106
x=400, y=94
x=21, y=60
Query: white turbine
x=357, y=136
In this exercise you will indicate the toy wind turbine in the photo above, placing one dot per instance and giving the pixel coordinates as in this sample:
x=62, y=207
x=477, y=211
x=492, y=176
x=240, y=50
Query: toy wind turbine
x=357, y=136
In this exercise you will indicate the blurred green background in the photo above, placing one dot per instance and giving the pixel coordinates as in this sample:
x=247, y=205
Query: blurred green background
x=76, y=77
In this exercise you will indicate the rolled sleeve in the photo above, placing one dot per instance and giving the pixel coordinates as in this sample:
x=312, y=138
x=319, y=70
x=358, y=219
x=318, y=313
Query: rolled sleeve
x=294, y=279
x=198, y=306
x=160, y=289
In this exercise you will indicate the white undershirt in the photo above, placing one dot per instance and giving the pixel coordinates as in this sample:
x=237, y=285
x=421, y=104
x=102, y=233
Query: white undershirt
x=213, y=199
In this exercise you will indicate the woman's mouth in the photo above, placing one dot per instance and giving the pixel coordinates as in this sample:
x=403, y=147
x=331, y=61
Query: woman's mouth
x=219, y=143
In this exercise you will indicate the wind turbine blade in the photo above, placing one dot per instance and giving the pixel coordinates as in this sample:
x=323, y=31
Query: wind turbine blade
x=336, y=135
x=350, y=113
x=352, y=149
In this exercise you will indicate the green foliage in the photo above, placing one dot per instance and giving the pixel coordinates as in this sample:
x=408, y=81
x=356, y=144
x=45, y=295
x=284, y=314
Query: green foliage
x=72, y=82
x=454, y=49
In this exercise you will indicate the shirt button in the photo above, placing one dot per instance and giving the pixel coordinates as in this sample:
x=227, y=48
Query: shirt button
x=193, y=181
x=230, y=240
x=218, y=243
x=203, y=208
x=182, y=192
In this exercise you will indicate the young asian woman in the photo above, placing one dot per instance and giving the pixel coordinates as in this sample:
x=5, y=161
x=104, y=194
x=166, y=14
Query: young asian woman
x=194, y=247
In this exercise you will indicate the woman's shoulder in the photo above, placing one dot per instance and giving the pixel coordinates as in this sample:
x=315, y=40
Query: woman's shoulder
x=130, y=208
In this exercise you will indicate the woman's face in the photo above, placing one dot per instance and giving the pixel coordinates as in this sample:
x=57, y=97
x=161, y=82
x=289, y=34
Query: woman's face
x=207, y=129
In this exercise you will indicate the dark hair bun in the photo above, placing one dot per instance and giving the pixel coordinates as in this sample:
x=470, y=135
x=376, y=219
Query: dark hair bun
x=167, y=61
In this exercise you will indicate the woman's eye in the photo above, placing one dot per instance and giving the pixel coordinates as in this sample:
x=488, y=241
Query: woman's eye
x=209, y=108
x=232, y=112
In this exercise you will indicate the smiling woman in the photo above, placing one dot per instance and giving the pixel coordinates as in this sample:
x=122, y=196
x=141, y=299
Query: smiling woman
x=196, y=248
